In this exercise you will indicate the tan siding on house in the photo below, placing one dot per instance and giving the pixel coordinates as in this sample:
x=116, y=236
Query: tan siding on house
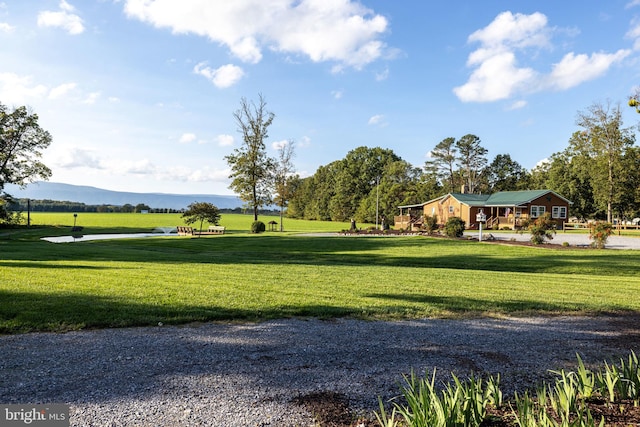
x=497, y=209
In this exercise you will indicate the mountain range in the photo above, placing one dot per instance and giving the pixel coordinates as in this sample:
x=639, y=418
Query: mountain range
x=96, y=196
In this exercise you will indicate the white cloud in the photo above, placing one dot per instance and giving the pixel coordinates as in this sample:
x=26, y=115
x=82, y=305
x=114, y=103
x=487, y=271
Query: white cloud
x=184, y=174
x=74, y=157
x=61, y=90
x=632, y=3
x=384, y=75
x=6, y=28
x=207, y=174
x=19, y=90
x=510, y=31
x=305, y=141
x=225, y=140
x=223, y=77
x=277, y=145
x=187, y=138
x=496, y=78
x=342, y=31
x=65, y=18
x=91, y=98
x=496, y=73
x=634, y=33
x=573, y=69
x=518, y=105
x=137, y=167
x=337, y=94
x=376, y=120
x=542, y=163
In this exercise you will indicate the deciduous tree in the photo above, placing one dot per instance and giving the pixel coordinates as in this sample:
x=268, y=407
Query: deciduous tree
x=201, y=211
x=251, y=168
x=604, y=142
x=22, y=141
x=567, y=173
x=358, y=174
x=400, y=184
x=284, y=169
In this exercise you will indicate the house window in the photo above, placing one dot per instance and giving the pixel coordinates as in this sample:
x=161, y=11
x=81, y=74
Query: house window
x=537, y=211
x=559, y=212
x=451, y=209
x=518, y=212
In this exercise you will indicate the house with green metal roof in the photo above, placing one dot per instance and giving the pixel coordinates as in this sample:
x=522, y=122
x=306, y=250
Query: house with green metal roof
x=505, y=209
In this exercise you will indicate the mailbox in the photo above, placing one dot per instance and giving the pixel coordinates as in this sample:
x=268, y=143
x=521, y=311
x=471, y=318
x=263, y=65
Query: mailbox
x=481, y=217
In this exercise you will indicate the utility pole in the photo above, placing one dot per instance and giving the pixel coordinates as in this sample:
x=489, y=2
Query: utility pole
x=377, y=198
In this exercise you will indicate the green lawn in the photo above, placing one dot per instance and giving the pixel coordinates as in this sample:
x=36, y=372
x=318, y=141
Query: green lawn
x=128, y=222
x=239, y=276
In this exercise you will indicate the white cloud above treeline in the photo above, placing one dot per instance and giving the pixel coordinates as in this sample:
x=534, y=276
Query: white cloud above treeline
x=378, y=119
x=342, y=31
x=64, y=18
x=496, y=71
x=222, y=77
x=6, y=28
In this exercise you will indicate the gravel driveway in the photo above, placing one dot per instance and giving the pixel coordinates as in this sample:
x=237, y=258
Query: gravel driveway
x=251, y=374
x=572, y=238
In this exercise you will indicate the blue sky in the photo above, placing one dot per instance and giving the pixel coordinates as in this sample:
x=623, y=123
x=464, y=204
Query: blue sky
x=139, y=95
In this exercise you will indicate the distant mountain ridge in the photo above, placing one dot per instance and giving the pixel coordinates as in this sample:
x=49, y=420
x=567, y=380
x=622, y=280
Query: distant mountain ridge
x=96, y=196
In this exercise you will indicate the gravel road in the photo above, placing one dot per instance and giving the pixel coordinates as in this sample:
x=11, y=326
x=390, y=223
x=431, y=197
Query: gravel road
x=251, y=374
x=572, y=238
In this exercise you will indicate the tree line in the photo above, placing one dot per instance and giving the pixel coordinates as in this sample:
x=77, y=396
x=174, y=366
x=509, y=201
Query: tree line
x=599, y=171
x=47, y=205
x=22, y=205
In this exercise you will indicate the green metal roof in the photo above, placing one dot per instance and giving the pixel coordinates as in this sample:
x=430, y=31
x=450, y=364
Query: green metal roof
x=471, y=199
x=515, y=198
x=501, y=199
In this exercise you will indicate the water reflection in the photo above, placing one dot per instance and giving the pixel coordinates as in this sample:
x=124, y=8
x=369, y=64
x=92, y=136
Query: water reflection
x=84, y=238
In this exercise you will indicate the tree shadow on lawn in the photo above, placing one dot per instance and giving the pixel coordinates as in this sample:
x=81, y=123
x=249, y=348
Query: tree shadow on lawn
x=335, y=251
x=460, y=305
x=30, y=311
x=281, y=359
x=35, y=264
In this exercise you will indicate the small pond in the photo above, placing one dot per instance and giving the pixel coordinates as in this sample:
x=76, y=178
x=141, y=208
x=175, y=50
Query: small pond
x=158, y=232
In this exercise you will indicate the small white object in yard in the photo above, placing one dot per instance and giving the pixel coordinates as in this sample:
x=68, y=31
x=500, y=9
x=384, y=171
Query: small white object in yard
x=159, y=323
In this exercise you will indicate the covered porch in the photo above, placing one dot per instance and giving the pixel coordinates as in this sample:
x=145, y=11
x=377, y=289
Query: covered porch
x=411, y=217
x=505, y=216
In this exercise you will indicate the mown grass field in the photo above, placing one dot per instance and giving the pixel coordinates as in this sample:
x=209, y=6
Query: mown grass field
x=132, y=222
x=239, y=276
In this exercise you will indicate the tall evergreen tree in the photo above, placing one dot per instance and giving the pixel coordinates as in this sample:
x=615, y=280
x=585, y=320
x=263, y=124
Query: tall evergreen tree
x=471, y=160
x=505, y=174
x=442, y=163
